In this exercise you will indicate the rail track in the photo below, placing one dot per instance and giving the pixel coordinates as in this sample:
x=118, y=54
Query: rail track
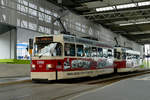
x=115, y=77
x=61, y=90
x=106, y=80
x=102, y=78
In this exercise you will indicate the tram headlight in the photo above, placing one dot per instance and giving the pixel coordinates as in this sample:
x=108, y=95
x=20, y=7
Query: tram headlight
x=48, y=66
x=33, y=66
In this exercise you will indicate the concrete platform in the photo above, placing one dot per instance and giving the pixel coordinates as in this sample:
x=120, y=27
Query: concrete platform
x=14, y=70
x=6, y=81
x=41, y=91
x=137, y=88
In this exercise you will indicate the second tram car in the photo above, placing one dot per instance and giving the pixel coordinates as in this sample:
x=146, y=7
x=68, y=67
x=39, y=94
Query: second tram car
x=126, y=60
x=64, y=56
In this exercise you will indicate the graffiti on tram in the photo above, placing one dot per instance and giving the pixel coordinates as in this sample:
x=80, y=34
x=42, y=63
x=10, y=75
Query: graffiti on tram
x=87, y=63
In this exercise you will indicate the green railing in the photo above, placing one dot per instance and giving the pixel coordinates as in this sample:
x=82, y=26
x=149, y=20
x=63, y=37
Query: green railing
x=14, y=61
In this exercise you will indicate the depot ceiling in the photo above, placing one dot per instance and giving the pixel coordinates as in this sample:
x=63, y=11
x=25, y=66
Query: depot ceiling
x=124, y=17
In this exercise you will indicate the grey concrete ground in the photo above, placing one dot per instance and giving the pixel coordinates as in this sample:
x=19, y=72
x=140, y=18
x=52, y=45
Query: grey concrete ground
x=13, y=80
x=41, y=91
x=13, y=70
x=137, y=88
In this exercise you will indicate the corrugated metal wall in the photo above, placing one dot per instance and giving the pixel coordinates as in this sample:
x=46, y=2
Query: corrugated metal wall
x=37, y=17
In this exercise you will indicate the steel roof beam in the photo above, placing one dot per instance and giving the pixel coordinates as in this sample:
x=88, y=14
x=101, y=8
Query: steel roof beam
x=113, y=12
x=118, y=16
x=144, y=42
x=138, y=36
x=86, y=1
x=137, y=33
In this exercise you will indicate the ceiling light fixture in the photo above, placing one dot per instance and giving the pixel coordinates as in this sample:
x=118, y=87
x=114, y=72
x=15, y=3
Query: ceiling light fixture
x=126, y=24
x=126, y=6
x=134, y=23
x=123, y=6
x=146, y=3
x=105, y=9
x=144, y=22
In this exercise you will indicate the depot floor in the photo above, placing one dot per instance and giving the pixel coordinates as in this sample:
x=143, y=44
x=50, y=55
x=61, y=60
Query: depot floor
x=137, y=88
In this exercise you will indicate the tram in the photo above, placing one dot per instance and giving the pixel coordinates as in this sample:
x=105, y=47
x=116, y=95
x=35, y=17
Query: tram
x=126, y=60
x=63, y=56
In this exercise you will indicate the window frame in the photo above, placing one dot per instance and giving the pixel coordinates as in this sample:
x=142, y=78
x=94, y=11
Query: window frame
x=77, y=50
x=96, y=51
x=89, y=49
x=70, y=50
x=99, y=55
x=106, y=52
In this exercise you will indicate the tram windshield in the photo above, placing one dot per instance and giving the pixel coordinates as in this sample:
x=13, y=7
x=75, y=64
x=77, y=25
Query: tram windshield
x=48, y=49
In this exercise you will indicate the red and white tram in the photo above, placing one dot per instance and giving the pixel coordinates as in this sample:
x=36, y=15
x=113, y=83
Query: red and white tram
x=65, y=56
x=126, y=60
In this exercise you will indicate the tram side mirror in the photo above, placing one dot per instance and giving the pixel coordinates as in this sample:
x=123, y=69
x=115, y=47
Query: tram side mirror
x=27, y=48
x=30, y=43
x=30, y=46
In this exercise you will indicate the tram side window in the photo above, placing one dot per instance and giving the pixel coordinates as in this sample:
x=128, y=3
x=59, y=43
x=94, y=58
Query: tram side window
x=133, y=56
x=100, y=52
x=129, y=56
x=109, y=53
x=59, y=49
x=80, y=52
x=94, y=52
x=69, y=49
x=105, y=53
x=117, y=54
x=137, y=56
x=124, y=55
x=87, y=51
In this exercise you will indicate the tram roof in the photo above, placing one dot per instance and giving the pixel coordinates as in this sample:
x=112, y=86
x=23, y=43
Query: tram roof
x=126, y=50
x=81, y=40
x=76, y=39
x=133, y=52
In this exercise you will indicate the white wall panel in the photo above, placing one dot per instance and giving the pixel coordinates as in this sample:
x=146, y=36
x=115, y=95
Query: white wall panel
x=5, y=46
x=8, y=45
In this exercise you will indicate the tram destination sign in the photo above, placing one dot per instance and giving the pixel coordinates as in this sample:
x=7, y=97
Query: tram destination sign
x=44, y=39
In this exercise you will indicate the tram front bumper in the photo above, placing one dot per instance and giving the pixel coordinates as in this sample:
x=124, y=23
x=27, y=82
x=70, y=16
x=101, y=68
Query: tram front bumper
x=43, y=75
